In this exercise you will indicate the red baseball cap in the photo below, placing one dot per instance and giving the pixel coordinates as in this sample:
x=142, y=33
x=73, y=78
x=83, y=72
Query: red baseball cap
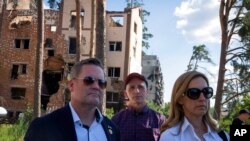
x=135, y=75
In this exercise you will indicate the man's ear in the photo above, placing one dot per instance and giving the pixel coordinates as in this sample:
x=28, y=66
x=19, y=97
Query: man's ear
x=70, y=85
x=125, y=94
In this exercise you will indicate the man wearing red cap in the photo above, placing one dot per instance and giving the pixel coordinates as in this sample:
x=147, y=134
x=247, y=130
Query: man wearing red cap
x=138, y=122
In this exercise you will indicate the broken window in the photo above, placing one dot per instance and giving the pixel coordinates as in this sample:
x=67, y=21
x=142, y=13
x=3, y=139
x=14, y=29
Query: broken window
x=51, y=52
x=73, y=19
x=22, y=43
x=26, y=43
x=112, y=97
x=18, y=93
x=14, y=72
x=23, y=68
x=115, y=46
x=135, y=28
x=116, y=21
x=72, y=45
x=134, y=51
x=50, y=86
x=18, y=69
x=114, y=72
x=48, y=43
x=17, y=43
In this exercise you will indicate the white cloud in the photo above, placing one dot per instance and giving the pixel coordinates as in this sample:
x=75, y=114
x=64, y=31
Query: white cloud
x=181, y=23
x=199, y=20
x=186, y=8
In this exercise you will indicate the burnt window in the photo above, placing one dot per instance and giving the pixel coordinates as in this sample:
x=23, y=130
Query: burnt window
x=18, y=69
x=114, y=72
x=73, y=19
x=23, y=68
x=72, y=45
x=116, y=21
x=115, y=46
x=18, y=93
x=134, y=51
x=48, y=43
x=14, y=72
x=17, y=43
x=51, y=52
x=26, y=43
x=112, y=97
x=22, y=43
x=135, y=28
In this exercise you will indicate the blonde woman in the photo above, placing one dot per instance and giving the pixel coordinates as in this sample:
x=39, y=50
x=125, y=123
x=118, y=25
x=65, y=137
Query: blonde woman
x=189, y=118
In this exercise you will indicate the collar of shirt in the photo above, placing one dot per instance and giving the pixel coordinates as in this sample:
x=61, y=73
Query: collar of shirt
x=187, y=127
x=76, y=118
x=142, y=112
x=93, y=133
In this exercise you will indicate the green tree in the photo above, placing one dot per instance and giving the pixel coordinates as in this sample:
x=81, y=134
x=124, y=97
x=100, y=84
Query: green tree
x=54, y=4
x=161, y=109
x=231, y=13
x=200, y=55
x=233, y=109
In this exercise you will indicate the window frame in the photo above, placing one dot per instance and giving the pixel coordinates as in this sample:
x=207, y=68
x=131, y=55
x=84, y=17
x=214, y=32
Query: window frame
x=112, y=72
x=115, y=46
x=114, y=96
x=18, y=95
x=18, y=69
x=70, y=46
x=21, y=43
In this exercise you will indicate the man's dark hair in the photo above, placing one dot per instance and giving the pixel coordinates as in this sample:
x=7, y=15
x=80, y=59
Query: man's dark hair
x=244, y=111
x=75, y=70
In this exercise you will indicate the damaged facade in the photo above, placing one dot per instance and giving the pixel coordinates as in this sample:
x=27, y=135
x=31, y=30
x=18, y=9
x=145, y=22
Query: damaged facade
x=121, y=43
x=151, y=69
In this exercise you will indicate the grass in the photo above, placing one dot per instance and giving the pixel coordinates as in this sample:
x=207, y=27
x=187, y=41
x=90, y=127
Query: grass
x=13, y=132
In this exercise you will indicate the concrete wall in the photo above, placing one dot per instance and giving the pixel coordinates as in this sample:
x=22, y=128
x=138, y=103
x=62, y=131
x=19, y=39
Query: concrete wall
x=87, y=28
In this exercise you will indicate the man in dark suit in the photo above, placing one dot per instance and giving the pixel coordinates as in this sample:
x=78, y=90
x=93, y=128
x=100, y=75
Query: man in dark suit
x=244, y=114
x=80, y=120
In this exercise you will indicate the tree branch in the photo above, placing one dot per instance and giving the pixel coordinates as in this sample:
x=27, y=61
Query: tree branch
x=235, y=95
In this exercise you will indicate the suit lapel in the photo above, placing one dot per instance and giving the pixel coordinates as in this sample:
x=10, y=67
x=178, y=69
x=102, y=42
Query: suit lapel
x=67, y=124
x=109, y=131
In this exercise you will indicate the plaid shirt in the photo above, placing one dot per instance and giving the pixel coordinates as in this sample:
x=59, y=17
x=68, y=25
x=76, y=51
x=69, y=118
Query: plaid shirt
x=143, y=126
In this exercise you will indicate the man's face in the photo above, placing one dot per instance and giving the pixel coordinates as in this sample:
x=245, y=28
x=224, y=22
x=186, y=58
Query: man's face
x=246, y=116
x=87, y=93
x=136, y=91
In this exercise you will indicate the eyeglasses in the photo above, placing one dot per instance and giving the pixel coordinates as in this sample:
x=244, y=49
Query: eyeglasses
x=194, y=93
x=88, y=80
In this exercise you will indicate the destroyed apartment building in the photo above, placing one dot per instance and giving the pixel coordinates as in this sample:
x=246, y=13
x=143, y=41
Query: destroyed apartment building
x=102, y=35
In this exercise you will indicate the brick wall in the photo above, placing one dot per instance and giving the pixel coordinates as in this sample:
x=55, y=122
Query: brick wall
x=9, y=54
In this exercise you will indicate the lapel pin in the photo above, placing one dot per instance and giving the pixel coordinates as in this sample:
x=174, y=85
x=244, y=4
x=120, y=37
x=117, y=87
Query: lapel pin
x=110, y=129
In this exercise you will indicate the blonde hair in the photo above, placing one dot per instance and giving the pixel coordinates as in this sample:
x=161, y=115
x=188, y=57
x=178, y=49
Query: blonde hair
x=176, y=114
